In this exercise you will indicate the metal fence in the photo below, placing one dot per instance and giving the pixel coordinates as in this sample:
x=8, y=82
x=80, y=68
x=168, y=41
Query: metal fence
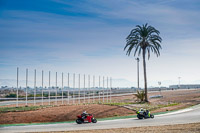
x=75, y=92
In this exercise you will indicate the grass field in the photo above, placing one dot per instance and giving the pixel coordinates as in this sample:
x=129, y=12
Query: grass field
x=21, y=108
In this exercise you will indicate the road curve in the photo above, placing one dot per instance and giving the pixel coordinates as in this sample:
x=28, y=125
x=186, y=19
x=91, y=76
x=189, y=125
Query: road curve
x=190, y=115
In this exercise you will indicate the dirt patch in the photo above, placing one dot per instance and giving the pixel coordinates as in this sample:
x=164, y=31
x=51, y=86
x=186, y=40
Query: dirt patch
x=180, y=128
x=171, y=100
x=63, y=113
x=180, y=96
x=183, y=98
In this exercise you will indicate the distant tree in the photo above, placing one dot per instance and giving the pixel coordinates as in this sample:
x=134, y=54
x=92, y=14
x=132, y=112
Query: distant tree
x=11, y=95
x=144, y=39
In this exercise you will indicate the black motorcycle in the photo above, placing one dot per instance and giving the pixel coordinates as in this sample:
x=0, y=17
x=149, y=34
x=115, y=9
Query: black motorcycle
x=144, y=114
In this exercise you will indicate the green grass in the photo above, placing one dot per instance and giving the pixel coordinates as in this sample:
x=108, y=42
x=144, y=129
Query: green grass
x=20, y=109
x=168, y=105
x=148, y=106
x=118, y=104
x=163, y=106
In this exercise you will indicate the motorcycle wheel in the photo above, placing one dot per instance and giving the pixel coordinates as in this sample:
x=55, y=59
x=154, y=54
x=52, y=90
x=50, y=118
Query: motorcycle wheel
x=152, y=116
x=94, y=121
x=139, y=117
x=78, y=121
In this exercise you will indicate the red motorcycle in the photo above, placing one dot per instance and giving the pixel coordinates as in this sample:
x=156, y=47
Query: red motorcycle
x=85, y=119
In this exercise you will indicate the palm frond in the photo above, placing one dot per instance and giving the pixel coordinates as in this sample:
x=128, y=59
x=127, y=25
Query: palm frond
x=143, y=37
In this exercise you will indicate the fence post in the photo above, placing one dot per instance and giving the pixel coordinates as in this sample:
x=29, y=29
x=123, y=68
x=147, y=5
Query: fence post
x=110, y=88
x=79, y=86
x=88, y=88
x=17, y=86
x=73, y=87
x=107, y=90
x=62, y=88
x=49, y=87
x=68, y=89
x=84, y=87
x=93, y=87
x=103, y=89
x=35, y=88
x=99, y=89
x=42, y=86
x=56, y=90
x=26, y=85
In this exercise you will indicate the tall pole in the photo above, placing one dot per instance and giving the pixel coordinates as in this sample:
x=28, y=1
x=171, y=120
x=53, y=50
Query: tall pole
x=56, y=90
x=84, y=87
x=68, y=88
x=110, y=88
x=88, y=88
x=179, y=81
x=99, y=88
x=49, y=87
x=93, y=87
x=159, y=83
x=79, y=87
x=35, y=87
x=107, y=89
x=62, y=88
x=17, y=86
x=73, y=87
x=103, y=89
x=138, y=72
x=26, y=85
x=42, y=86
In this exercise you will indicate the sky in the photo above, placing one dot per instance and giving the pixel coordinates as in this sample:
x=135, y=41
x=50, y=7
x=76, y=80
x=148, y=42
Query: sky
x=88, y=37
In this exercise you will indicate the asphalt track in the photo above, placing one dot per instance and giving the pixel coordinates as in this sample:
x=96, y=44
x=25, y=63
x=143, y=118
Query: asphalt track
x=189, y=115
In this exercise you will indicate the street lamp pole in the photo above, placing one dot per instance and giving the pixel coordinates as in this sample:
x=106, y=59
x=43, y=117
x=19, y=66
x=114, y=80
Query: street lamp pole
x=179, y=80
x=138, y=60
x=159, y=83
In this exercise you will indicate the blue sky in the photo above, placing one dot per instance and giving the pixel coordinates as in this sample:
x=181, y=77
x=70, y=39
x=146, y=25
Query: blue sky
x=88, y=36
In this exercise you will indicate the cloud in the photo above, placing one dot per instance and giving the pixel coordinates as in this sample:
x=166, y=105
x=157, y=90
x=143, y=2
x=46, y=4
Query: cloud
x=89, y=36
x=153, y=11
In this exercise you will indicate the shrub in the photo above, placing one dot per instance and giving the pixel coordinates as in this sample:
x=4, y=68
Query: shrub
x=11, y=95
x=140, y=95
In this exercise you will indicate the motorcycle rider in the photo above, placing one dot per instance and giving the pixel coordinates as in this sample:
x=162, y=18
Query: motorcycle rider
x=147, y=113
x=144, y=111
x=141, y=110
x=84, y=115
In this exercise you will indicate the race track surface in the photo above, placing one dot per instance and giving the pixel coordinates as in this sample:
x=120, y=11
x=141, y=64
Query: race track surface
x=190, y=115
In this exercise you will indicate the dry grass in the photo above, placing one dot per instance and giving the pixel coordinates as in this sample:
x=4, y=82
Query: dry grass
x=172, y=100
x=63, y=113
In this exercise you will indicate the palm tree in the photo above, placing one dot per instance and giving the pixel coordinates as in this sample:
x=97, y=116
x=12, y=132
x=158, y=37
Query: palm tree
x=144, y=39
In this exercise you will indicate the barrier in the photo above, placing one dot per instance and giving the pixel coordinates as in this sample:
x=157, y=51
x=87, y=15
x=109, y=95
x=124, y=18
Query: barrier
x=80, y=93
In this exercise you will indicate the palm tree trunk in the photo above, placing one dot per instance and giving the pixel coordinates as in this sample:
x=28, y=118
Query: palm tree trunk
x=145, y=75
